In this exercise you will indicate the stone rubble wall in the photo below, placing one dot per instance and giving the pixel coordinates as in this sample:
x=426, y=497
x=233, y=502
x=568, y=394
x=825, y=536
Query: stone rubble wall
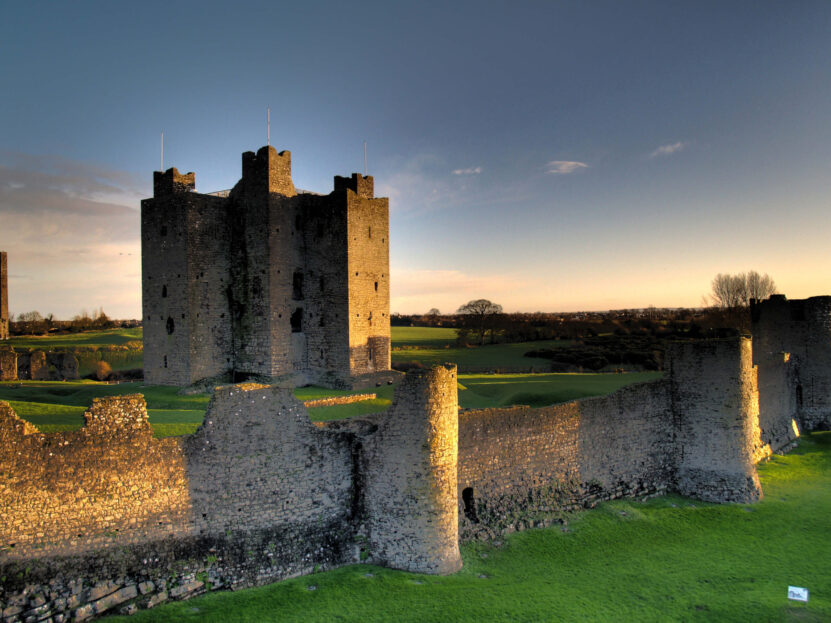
x=109, y=517
x=338, y=400
x=37, y=366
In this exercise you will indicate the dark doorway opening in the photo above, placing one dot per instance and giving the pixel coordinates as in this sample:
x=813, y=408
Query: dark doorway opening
x=470, y=504
x=297, y=320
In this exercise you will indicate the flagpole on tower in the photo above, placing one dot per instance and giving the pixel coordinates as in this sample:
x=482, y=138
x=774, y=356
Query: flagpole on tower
x=161, y=155
x=364, y=158
x=268, y=125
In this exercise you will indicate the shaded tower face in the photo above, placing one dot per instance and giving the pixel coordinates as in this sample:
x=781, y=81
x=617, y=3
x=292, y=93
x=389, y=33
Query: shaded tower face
x=4, y=297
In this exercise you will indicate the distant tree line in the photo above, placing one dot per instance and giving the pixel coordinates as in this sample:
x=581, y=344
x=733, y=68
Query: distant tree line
x=725, y=313
x=34, y=323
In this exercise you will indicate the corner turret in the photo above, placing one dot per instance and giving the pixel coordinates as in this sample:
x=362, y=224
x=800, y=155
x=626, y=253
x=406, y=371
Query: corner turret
x=361, y=185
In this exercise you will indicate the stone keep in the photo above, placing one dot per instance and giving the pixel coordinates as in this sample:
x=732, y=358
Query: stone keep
x=265, y=280
x=4, y=297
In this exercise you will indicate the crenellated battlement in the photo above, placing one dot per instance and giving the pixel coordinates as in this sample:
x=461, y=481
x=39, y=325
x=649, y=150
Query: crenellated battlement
x=361, y=185
x=172, y=182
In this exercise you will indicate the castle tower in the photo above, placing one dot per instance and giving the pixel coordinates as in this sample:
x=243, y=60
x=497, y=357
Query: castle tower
x=185, y=275
x=713, y=393
x=411, y=484
x=801, y=328
x=263, y=281
x=4, y=297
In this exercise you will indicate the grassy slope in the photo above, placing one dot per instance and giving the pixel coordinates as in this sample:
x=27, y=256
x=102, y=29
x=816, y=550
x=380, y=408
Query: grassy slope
x=60, y=406
x=430, y=345
x=90, y=347
x=666, y=559
x=110, y=337
x=489, y=390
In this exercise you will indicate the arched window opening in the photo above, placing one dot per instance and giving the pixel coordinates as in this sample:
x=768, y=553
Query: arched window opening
x=164, y=292
x=170, y=326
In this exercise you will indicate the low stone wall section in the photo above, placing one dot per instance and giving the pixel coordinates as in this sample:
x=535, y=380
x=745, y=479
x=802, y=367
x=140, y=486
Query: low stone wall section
x=519, y=465
x=338, y=400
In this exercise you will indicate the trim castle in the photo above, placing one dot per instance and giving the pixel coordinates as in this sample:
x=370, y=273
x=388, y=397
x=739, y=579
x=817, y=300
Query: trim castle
x=265, y=282
x=110, y=518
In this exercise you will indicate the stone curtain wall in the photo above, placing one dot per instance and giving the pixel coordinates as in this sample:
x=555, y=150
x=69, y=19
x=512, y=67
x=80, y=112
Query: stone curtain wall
x=95, y=518
x=697, y=432
x=520, y=464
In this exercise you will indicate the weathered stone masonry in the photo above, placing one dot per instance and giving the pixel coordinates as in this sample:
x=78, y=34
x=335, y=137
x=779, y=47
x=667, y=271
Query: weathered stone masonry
x=107, y=515
x=258, y=493
x=266, y=281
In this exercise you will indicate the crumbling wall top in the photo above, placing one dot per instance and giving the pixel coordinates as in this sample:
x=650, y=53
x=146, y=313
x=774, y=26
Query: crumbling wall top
x=362, y=185
x=171, y=182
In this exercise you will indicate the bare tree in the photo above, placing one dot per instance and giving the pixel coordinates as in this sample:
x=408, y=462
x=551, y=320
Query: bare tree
x=732, y=291
x=481, y=313
x=759, y=287
x=434, y=312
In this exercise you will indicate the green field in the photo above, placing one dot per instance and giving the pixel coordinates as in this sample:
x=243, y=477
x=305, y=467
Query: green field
x=424, y=345
x=56, y=406
x=537, y=390
x=121, y=348
x=665, y=559
x=109, y=337
x=432, y=345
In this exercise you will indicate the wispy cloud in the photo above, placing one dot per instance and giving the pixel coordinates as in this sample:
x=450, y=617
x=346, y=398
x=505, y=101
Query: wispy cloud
x=468, y=171
x=72, y=234
x=564, y=167
x=668, y=150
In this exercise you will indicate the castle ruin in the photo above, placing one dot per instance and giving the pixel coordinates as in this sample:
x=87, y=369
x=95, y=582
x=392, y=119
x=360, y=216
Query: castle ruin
x=109, y=515
x=265, y=281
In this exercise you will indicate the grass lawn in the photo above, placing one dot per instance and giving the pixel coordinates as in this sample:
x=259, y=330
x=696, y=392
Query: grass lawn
x=481, y=358
x=431, y=345
x=537, y=390
x=121, y=348
x=665, y=559
x=110, y=337
x=56, y=406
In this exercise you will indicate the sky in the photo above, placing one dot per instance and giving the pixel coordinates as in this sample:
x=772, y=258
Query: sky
x=548, y=156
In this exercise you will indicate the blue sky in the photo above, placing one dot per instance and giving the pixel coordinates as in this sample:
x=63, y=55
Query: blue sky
x=547, y=155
